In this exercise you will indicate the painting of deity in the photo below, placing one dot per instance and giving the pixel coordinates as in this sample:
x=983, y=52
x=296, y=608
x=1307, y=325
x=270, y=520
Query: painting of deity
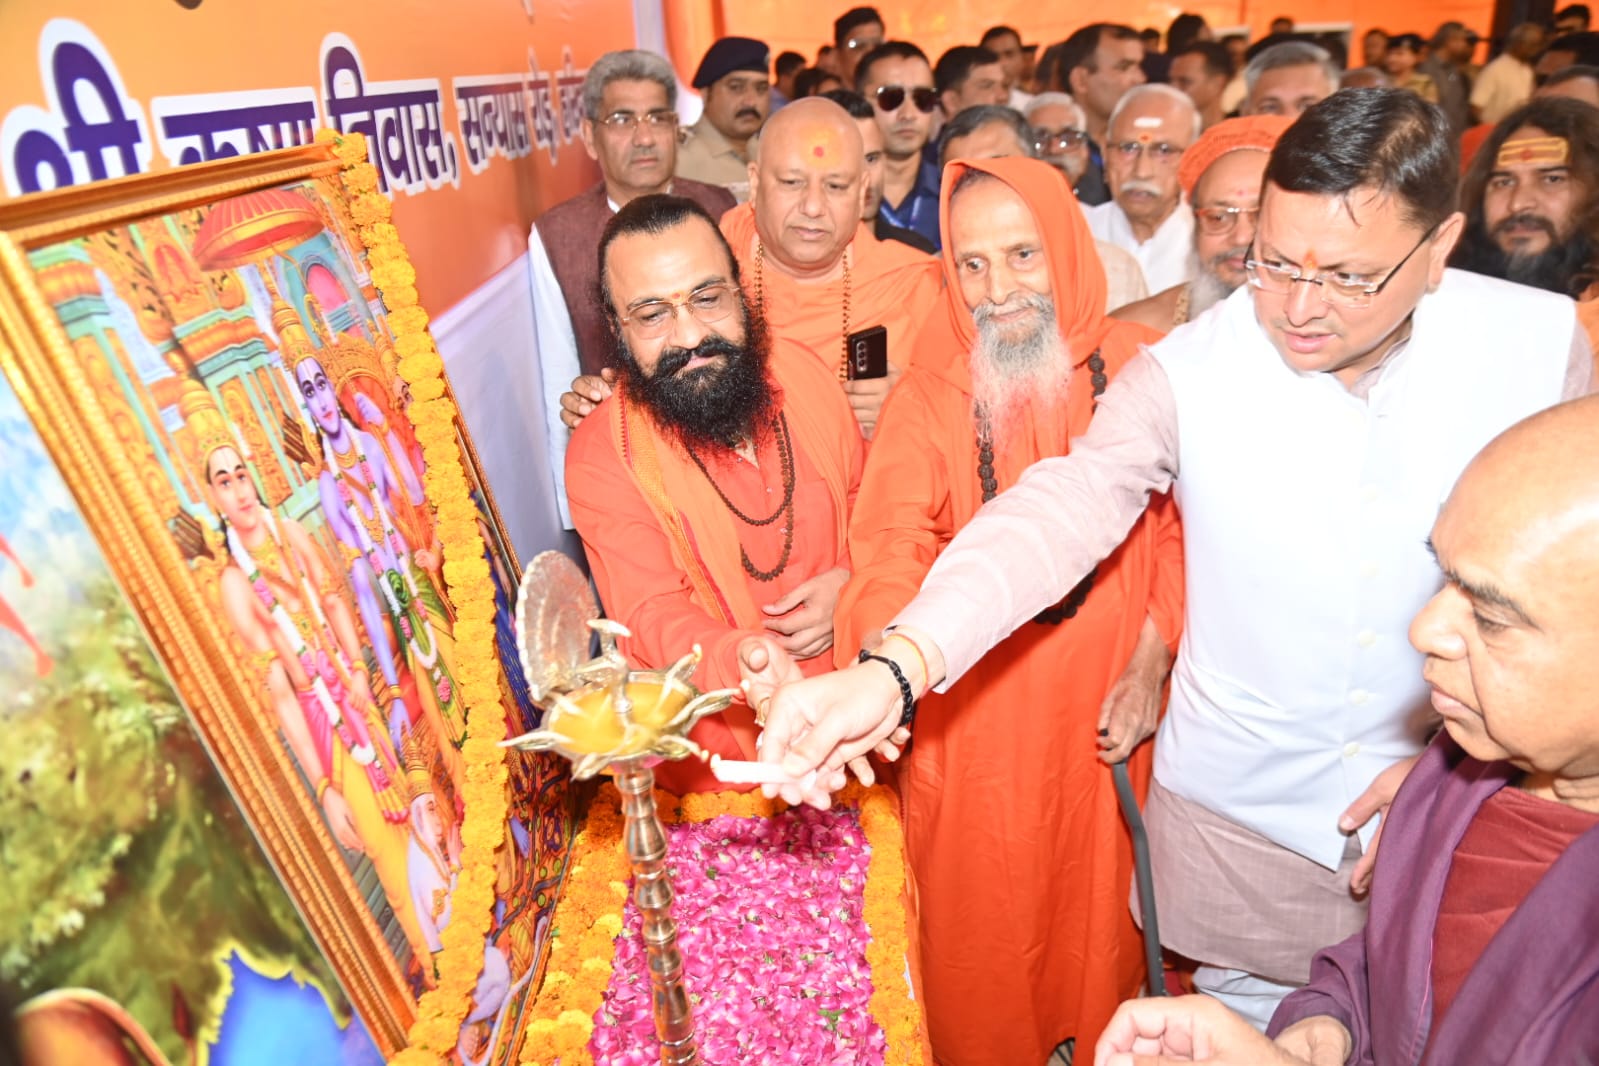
x=143, y=924
x=239, y=352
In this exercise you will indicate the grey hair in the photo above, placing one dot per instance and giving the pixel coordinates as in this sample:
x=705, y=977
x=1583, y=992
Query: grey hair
x=1056, y=100
x=628, y=65
x=1138, y=92
x=1291, y=54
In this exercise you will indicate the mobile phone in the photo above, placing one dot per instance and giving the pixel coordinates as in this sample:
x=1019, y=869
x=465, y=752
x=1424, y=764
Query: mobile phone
x=868, y=354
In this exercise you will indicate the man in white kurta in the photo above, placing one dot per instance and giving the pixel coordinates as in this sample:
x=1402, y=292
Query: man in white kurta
x=1309, y=426
x=1149, y=131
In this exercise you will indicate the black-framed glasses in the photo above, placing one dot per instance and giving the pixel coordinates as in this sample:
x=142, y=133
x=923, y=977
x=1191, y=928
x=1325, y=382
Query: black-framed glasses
x=1345, y=290
x=1161, y=153
x=892, y=97
x=862, y=44
x=628, y=121
x=1062, y=140
x=654, y=319
x=1214, y=221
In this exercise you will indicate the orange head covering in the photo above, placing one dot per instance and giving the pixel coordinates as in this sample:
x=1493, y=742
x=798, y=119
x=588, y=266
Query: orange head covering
x=1077, y=275
x=1257, y=133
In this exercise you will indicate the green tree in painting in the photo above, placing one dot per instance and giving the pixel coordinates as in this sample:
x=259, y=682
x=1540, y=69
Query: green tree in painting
x=124, y=863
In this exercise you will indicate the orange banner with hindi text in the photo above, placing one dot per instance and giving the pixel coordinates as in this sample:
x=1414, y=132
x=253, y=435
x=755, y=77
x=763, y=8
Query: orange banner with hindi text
x=471, y=108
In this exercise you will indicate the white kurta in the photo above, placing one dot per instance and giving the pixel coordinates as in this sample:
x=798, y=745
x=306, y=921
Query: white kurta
x=1166, y=259
x=1296, y=684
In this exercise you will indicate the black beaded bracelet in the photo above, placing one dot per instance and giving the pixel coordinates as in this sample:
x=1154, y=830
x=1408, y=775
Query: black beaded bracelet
x=907, y=715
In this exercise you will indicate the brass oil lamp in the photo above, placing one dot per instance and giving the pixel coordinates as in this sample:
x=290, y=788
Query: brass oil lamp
x=606, y=717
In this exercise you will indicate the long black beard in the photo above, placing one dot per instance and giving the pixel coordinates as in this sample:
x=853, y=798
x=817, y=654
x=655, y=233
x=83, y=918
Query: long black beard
x=709, y=406
x=1567, y=268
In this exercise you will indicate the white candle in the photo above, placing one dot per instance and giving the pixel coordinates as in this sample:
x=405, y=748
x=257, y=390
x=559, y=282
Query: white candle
x=737, y=772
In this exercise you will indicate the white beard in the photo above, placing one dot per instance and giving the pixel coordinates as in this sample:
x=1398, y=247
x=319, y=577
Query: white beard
x=1205, y=292
x=1008, y=373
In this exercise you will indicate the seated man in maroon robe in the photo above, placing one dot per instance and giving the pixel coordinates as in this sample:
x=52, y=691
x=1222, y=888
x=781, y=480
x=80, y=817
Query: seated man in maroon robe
x=1482, y=944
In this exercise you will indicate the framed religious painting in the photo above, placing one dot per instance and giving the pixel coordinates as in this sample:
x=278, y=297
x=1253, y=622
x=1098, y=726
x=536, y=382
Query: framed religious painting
x=143, y=924
x=227, y=369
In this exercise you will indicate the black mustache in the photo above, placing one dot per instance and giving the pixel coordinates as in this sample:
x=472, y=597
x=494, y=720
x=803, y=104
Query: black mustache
x=674, y=359
x=1525, y=219
x=750, y=111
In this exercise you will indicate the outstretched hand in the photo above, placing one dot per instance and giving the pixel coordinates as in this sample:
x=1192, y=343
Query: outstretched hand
x=1368, y=805
x=1158, y=1032
x=766, y=667
x=826, y=722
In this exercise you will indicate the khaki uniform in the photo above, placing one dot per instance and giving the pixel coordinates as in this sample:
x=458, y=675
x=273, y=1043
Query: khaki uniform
x=710, y=157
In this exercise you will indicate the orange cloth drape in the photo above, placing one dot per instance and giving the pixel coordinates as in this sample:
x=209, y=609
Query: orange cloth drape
x=891, y=284
x=1588, y=319
x=1022, y=862
x=665, y=550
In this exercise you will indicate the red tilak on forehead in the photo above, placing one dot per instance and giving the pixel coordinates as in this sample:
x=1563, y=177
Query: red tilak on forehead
x=823, y=141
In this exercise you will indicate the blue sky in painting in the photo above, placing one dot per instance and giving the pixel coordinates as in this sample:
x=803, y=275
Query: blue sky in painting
x=269, y=1022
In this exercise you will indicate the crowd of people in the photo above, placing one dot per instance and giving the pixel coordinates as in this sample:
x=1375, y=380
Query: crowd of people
x=1215, y=409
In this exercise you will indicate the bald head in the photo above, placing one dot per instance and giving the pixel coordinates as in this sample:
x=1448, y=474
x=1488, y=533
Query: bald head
x=1512, y=640
x=1542, y=476
x=803, y=118
x=807, y=188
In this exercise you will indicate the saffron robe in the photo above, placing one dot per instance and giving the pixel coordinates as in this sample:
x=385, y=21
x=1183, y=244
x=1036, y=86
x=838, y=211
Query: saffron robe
x=891, y=285
x=1021, y=859
x=664, y=547
x=1533, y=995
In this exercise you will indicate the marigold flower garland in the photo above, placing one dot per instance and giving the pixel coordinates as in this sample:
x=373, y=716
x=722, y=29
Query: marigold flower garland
x=440, y=1010
x=588, y=919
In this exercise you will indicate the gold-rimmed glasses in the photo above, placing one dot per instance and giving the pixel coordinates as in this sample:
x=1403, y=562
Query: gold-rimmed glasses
x=653, y=319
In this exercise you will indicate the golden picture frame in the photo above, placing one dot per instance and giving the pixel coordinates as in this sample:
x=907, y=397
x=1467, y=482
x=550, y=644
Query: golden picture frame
x=208, y=362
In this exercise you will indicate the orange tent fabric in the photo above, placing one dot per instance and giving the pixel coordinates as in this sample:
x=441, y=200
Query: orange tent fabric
x=691, y=25
x=1022, y=862
x=891, y=285
x=665, y=549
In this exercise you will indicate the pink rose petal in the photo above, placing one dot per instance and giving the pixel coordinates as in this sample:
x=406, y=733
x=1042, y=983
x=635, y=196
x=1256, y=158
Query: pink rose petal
x=773, y=944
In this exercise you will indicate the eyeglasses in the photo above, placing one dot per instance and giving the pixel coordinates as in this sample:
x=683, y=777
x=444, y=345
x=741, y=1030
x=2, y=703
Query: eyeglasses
x=1161, y=153
x=620, y=121
x=654, y=319
x=862, y=44
x=891, y=97
x=1345, y=290
x=1218, y=220
x=1063, y=140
